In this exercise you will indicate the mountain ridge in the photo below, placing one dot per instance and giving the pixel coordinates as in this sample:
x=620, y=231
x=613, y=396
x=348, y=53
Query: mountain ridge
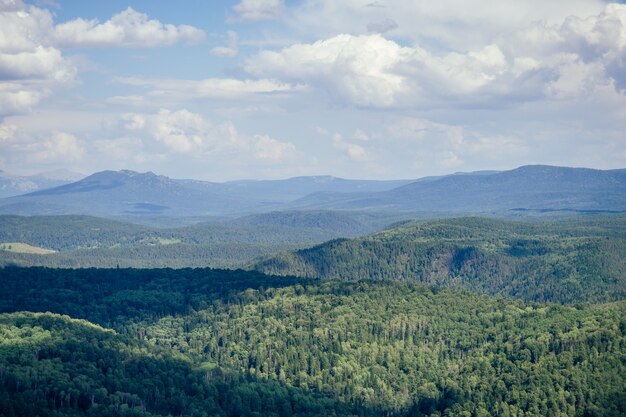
x=136, y=194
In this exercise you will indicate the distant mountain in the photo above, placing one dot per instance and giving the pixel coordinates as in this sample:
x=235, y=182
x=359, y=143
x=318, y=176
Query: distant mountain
x=534, y=187
x=293, y=188
x=117, y=193
x=132, y=194
x=12, y=185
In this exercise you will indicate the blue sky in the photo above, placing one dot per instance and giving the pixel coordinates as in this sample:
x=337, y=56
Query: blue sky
x=273, y=89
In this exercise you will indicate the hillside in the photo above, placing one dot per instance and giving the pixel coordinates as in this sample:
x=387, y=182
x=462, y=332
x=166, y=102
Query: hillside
x=529, y=188
x=85, y=241
x=228, y=343
x=568, y=261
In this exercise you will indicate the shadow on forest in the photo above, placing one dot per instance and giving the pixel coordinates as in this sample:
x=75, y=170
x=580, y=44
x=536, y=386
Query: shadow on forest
x=111, y=297
x=72, y=366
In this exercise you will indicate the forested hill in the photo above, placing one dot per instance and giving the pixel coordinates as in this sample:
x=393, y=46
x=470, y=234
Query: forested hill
x=85, y=241
x=234, y=343
x=580, y=260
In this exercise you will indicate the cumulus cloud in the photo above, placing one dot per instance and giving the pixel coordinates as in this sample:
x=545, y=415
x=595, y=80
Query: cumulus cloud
x=189, y=133
x=253, y=10
x=18, y=147
x=268, y=148
x=542, y=61
x=32, y=65
x=359, y=68
x=129, y=29
x=60, y=146
x=369, y=70
x=18, y=98
x=181, y=131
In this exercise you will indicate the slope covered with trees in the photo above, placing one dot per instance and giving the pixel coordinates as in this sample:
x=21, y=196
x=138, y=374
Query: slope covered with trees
x=237, y=343
x=568, y=261
x=84, y=241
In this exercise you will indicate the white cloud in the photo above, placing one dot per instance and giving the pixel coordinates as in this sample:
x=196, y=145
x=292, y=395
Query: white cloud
x=369, y=70
x=30, y=67
x=189, y=133
x=19, y=148
x=359, y=68
x=232, y=47
x=129, y=29
x=39, y=63
x=60, y=146
x=268, y=148
x=353, y=151
x=541, y=61
x=253, y=10
x=170, y=91
x=181, y=131
x=18, y=97
x=451, y=25
x=127, y=151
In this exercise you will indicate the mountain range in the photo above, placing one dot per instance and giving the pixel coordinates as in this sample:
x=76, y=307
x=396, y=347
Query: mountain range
x=133, y=195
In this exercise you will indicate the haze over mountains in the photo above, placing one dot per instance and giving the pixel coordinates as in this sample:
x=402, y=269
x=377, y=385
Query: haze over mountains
x=11, y=185
x=133, y=195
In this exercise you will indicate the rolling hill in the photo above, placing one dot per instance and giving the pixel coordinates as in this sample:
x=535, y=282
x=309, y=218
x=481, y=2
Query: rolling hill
x=568, y=261
x=86, y=241
x=235, y=343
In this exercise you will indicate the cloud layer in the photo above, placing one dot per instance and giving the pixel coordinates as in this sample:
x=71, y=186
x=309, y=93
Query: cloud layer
x=541, y=61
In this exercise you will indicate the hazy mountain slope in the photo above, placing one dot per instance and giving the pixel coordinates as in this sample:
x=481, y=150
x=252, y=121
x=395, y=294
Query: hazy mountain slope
x=111, y=193
x=534, y=187
x=293, y=188
x=132, y=194
x=12, y=185
x=578, y=260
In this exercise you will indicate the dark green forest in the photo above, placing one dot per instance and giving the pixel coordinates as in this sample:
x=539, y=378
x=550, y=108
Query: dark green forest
x=239, y=343
x=85, y=241
x=578, y=260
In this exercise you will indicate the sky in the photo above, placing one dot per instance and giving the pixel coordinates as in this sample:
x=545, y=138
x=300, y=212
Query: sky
x=267, y=89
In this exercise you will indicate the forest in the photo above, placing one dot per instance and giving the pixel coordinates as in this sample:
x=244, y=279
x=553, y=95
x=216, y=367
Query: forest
x=73, y=241
x=204, y=342
x=569, y=261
